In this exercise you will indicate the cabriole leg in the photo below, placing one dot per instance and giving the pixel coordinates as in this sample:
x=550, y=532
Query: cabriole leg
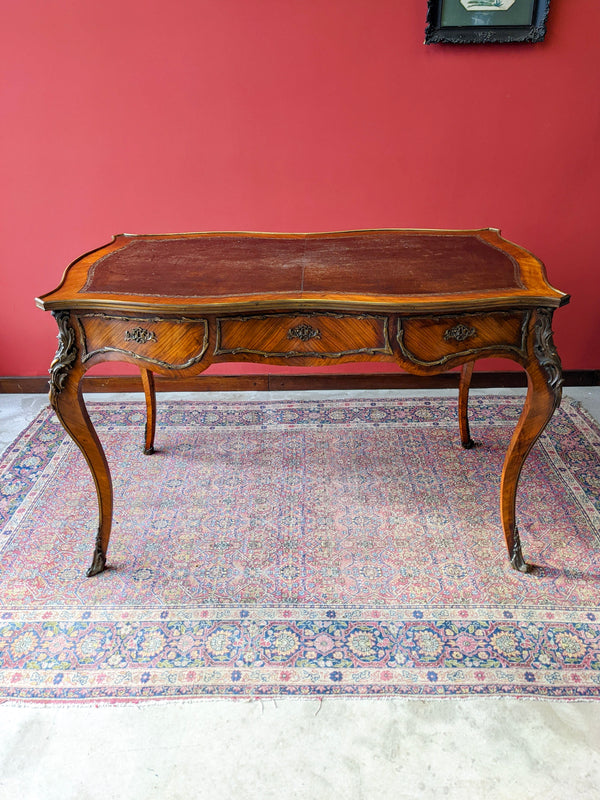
x=150, y=395
x=463, y=405
x=544, y=382
x=66, y=399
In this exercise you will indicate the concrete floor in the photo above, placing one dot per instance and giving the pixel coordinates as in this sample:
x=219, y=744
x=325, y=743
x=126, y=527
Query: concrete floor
x=353, y=749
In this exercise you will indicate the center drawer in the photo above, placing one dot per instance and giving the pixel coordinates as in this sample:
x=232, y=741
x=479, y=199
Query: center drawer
x=322, y=335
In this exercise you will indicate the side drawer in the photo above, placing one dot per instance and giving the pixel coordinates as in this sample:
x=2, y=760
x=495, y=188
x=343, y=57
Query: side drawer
x=168, y=343
x=433, y=341
x=296, y=335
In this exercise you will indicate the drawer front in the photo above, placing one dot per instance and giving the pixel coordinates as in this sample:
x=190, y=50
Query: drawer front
x=298, y=335
x=171, y=344
x=433, y=341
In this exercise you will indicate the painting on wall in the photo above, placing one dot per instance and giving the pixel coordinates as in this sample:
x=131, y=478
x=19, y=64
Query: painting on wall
x=483, y=21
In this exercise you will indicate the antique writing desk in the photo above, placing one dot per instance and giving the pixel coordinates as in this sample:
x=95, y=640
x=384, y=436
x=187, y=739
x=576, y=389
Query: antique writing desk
x=426, y=300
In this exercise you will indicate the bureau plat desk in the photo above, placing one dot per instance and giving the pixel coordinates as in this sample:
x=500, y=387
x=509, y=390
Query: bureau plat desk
x=425, y=300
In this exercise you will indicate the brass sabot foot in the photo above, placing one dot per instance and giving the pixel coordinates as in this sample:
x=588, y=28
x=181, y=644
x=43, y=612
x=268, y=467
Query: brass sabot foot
x=517, y=561
x=98, y=564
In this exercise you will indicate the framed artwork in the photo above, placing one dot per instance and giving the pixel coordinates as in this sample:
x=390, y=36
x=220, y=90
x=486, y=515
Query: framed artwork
x=481, y=21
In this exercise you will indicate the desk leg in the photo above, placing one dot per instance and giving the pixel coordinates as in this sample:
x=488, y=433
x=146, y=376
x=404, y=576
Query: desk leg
x=150, y=395
x=544, y=381
x=66, y=399
x=463, y=405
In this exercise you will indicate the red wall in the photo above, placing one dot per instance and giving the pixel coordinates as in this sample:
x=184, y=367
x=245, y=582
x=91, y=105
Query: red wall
x=281, y=115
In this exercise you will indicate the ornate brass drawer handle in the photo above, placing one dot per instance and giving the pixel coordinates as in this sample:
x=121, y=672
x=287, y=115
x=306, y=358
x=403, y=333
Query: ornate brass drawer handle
x=140, y=335
x=460, y=333
x=304, y=332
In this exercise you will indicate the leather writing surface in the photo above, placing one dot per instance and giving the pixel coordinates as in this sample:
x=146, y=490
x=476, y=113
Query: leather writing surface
x=210, y=266
x=384, y=263
x=396, y=264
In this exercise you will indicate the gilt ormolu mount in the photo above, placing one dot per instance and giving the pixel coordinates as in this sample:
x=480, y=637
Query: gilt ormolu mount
x=426, y=301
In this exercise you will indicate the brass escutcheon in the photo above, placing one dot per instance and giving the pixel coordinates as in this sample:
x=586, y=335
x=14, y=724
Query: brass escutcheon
x=140, y=335
x=459, y=333
x=304, y=332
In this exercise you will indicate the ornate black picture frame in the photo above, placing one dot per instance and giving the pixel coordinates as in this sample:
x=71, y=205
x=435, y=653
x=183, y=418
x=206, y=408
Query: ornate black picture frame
x=484, y=21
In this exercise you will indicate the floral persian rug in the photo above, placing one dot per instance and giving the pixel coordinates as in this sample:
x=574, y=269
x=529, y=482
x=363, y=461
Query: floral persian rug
x=347, y=547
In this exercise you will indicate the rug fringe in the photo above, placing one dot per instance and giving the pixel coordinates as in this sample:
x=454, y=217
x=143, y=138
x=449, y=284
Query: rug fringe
x=277, y=700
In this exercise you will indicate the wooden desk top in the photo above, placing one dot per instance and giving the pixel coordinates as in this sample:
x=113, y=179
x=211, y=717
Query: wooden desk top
x=406, y=270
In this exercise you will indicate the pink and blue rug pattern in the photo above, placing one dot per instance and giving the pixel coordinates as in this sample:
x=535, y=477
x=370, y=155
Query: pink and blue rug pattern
x=301, y=548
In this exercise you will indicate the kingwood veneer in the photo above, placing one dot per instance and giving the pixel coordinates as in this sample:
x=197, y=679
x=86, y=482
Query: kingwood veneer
x=426, y=300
